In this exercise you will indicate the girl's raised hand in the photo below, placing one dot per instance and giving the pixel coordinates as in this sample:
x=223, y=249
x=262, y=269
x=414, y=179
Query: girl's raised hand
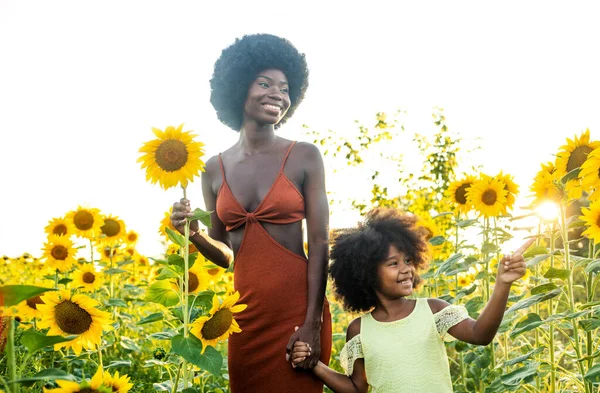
x=513, y=267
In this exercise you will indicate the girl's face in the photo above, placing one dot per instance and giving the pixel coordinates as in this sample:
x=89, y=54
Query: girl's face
x=268, y=97
x=395, y=275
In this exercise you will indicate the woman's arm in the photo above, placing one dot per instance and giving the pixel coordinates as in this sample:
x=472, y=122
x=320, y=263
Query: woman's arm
x=214, y=244
x=317, y=219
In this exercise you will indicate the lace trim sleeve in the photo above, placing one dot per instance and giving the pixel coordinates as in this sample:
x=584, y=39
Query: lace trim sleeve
x=351, y=351
x=447, y=318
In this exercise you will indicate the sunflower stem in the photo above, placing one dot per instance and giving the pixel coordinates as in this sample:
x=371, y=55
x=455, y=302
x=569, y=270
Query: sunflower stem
x=177, y=377
x=100, y=358
x=551, y=312
x=10, y=351
x=565, y=238
x=186, y=279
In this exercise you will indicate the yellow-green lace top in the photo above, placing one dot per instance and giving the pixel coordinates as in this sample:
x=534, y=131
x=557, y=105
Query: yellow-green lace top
x=407, y=355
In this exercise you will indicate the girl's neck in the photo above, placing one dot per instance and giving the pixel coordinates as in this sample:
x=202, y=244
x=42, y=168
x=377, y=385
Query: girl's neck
x=393, y=308
x=255, y=138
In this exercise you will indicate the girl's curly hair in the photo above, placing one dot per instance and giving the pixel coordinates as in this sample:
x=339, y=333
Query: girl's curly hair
x=356, y=252
x=240, y=63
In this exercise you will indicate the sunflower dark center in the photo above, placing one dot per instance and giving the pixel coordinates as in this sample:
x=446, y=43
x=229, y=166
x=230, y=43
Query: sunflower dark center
x=83, y=220
x=111, y=227
x=132, y=237
x=60, y=230
x=115, y=388
x=88, y=277
x=71, y=318
x=218, y=325
x=87, y=390
x=59, y=252
x=213, y=271
x=461, y=193
x=34, y=301
x=489, y=197
x=578, y=157
x=171, y=155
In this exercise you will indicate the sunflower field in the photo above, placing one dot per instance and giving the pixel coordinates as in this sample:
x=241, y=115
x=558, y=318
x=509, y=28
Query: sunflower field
x=91, y=314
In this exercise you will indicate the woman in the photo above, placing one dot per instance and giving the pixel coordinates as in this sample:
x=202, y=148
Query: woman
x=259, y=190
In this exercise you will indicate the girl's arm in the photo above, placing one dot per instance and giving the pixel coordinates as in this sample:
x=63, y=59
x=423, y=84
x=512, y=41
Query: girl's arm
x=214, y=245
x=317, y=220
x=338, y=382
x=482, y=330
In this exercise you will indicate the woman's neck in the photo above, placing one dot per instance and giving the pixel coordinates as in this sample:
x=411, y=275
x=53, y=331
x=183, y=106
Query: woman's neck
x=254, y=137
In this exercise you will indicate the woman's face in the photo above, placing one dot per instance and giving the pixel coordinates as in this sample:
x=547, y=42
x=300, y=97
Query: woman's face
x=268, y=97
x=395, y=275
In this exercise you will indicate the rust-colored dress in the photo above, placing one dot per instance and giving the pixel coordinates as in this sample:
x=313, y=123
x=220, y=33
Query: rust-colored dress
x=272, y=281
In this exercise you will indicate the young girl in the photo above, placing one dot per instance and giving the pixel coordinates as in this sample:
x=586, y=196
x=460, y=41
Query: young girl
x=399, y=345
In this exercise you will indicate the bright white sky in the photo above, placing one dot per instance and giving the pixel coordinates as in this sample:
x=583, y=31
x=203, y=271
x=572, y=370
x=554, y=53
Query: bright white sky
x=82, y=83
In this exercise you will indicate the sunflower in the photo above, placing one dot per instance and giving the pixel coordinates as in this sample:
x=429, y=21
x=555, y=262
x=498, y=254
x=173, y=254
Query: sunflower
x=465, y=280
x=488, y=196
x=87, y=222
x=591, y=217
x=166, y=223
x=96, y=385
x=173, y=158
x=546, y=185
x=511, y=188
x=27, y=309
x=198, y=280
x=87, y=278
x=59, y=253
x=107, y=253
x=67, y=314
x=117, y=384
x=574, y=153
x=113, y=231
x=131, y=237
x=458, y=193
x=60, y=227
x=590, y=175
x=220, y=323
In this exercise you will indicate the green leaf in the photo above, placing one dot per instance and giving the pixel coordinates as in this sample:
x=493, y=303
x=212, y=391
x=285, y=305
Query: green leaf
x=488, y=248
x=524, y=357
x=64, y=281
x=537, y=259
x=593, y=266
x=448, y=263
x=113, y=270
x=15, y=294
x=521, y=375
x=527, y=323
x=35, y=341
x=119, y=363
x=157, y=316
x=162, y=336
x=189, y=390
x=533, y=251
x=589, y=324
x=162, y=292
x=129, y=344
x=50, y=374
x=547, y=287
x=203, y=216
x=570, y=176
x=190, y=349
x=527, y=302
x=466, y=223
x=177, y=260
x=562, y=274
x=116, y=303
x=175, y=237
x=593, y=375
x=437, y=240
x=167, y=272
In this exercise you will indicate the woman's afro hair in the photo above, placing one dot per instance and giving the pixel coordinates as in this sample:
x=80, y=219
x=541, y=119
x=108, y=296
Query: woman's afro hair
x=239, y=65
x=357, y=252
